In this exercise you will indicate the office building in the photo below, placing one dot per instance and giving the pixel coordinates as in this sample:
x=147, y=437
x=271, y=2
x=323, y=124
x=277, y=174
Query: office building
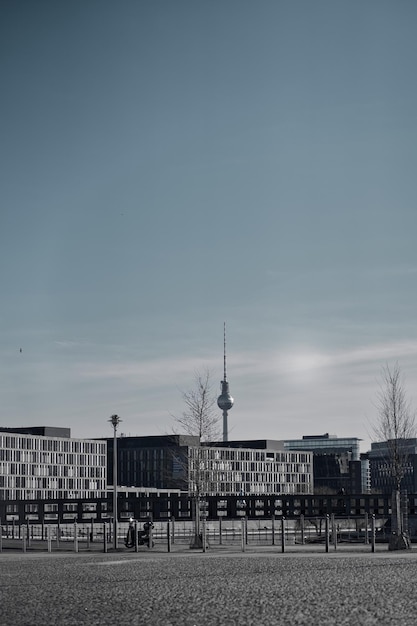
x=380, y=463
x=229, y=468
x=43, y=463
x=337, y=463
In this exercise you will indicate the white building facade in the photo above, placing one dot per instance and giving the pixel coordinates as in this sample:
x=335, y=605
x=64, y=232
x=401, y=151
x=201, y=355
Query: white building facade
x=34, y=467
x=248, y=471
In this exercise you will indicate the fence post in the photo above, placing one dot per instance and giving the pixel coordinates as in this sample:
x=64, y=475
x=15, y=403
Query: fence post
x=104, y=538
x=273, y=528
x=48, y=538
x=173, y=529
x=203, y=529
x=243, y=534
x=366, y=528
x=220, y=531
x=334, y=532
x=283, y=534
x=1, y=537
x=135, y=540
x=327, y=532
x=150, y=540
x=302, y=530
x=75, y=537
x=24, y=541
x=373, y=533
x=169, y=535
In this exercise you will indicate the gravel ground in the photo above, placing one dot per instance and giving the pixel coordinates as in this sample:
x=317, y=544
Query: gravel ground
x=208, y=589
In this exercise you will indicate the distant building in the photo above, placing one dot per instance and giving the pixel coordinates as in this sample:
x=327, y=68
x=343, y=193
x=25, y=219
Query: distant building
x=43, y=463
x=337, y=463
x=242, y=468
x=380, y=467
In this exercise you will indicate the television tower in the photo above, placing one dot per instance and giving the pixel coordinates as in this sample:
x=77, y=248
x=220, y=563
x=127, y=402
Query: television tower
x=225, y=400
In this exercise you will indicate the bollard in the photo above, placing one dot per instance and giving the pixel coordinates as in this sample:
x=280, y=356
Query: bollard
x=136, y=536
x=246, y=529
x=283, y=534
x=57, y=535
x=220, y=531
x=24, y=542
x=49, y=538
x=327, y=531
x=104, y=538
x=373, y=533
x=273, y=529
x=75, y=537
x=169, y=535
x=243, y=534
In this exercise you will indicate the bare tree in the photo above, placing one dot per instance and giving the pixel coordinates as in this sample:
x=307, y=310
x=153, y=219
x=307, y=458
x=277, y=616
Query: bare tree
x=199, y=420
x=395, y=426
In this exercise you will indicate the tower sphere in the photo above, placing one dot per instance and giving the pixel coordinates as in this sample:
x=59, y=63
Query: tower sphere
x=225, y=402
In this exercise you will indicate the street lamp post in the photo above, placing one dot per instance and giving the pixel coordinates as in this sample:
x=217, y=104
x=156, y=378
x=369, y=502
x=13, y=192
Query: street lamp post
x=115, y=421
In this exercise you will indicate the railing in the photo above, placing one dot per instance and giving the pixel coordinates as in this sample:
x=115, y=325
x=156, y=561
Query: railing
x=239, y=533
x=163, y=507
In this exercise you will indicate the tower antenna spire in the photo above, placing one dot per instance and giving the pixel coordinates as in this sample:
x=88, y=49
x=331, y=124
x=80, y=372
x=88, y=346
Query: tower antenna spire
x=224, y=345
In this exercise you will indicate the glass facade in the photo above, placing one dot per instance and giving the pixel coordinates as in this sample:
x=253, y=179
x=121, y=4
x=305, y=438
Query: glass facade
x=326, y=443
x=41, y=468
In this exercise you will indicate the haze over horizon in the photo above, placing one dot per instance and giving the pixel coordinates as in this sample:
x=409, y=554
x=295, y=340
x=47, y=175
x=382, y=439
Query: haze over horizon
x=170, y=166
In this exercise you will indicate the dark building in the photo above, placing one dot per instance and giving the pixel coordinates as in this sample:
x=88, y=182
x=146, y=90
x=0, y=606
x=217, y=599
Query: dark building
x=336, y=462
x=158, y=461
x=380, y=466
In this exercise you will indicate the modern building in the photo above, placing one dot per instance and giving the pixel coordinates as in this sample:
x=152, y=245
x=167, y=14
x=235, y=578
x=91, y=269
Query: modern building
x=337, y=463
x=159, y=461
x=43, y=463
x=244, y=470
x=229, y=468
x=380, y=462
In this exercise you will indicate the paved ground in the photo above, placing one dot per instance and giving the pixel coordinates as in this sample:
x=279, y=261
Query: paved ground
x=216, y=588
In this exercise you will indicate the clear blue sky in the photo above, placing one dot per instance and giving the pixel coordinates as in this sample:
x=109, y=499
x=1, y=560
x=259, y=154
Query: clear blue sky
x=169, y=165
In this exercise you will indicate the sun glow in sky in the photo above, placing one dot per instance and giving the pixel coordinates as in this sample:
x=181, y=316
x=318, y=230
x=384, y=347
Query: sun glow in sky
x=168, y=166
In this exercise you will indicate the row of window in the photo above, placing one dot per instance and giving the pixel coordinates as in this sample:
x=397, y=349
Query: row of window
x=47, y=494
x=233, y=454
x=30, y=482
x=254, y=488
x=22, y=442
x=59, y=458
x=27, y=469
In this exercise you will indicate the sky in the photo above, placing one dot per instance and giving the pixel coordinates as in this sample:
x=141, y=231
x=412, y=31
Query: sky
x=168, y=166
